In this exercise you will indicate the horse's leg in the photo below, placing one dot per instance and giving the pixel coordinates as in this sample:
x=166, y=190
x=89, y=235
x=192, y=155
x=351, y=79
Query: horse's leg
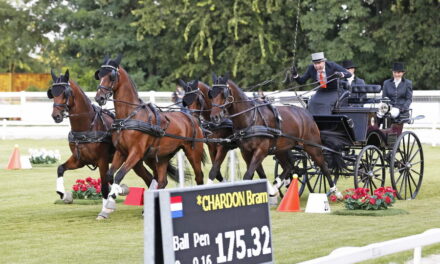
x=118, y=160
x=142, y=172
x=71, y=164
x=253, y=162
x=194, y=157
x=219, y=156
x=317, y=156
x=261, y=173
x=133, y=158
x=103, y=169
x=161, y=172
x=286, y=163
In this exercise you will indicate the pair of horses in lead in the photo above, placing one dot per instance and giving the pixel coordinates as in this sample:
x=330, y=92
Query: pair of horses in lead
x=127, y=145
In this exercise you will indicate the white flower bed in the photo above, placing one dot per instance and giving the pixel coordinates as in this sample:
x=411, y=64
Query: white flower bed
x=43, y=156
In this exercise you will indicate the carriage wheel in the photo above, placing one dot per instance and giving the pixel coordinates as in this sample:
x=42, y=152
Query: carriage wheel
x=406, y=166
x=369, y=170
x=298, y=163
x=317, y=182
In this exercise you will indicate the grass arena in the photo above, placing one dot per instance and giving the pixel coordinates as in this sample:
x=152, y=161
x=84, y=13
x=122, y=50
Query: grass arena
x=35, y=230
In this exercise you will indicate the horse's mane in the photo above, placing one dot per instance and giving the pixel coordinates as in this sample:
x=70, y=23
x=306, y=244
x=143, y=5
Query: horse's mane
x=81, y=90
x=238, y=89
x=205, y=86
x=133, y=84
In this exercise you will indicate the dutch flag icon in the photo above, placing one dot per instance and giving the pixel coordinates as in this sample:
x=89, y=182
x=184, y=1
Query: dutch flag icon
x=176, y=206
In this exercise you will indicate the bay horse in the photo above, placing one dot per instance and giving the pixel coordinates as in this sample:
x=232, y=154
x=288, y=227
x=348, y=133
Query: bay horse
x=142, y=132
x=262, y=129
x=197, y=100
x=89, y=139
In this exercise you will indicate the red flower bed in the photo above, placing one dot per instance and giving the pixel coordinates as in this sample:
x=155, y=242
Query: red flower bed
x=361, y=199
x=88, y=188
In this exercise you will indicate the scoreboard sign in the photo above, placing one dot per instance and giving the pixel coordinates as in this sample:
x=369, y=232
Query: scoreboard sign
x=221, y=223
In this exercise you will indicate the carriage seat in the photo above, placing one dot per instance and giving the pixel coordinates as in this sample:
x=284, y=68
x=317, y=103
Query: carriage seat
x=359, y=92
x=367, y=88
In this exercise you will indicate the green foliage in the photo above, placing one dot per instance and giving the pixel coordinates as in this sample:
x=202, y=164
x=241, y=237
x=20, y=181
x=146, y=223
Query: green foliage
x=253, y=40
x=21, y=35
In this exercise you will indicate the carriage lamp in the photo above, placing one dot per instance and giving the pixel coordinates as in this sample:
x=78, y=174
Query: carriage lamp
x=383, y=109
x=394, y=112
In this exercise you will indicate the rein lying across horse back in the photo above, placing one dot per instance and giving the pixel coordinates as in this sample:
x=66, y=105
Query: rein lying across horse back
x=154, y=130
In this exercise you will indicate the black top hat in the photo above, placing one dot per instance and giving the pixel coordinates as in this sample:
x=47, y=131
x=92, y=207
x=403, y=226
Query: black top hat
x=348, y=64
x=398, y=67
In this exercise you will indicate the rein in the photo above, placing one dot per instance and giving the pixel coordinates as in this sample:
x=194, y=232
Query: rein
x=247, y=110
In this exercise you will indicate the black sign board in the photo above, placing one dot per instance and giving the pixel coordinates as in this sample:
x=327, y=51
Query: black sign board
x=221, y=223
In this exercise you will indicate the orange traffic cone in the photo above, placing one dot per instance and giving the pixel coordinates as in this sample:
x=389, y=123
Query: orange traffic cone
x=135, y=196
x=14, y=160
x=290, y=202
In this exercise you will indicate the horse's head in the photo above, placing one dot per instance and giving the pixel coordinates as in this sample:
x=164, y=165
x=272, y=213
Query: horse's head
x=60, y=92
x=221, y=97
x=108, y=76
x=193, y=98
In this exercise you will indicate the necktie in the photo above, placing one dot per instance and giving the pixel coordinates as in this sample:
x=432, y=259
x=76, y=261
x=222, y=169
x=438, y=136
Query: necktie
x=322, y=81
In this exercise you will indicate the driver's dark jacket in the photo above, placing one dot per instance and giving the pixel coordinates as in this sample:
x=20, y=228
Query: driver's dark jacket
x=400, y=97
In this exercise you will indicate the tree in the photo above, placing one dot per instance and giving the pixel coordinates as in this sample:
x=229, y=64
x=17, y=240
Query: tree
x=88, y=30
x=250, y=39
x=21, y=37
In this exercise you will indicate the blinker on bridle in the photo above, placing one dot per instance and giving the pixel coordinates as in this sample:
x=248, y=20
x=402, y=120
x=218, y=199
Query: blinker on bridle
x=113, y=77
x=67, y=92
x=229, y=99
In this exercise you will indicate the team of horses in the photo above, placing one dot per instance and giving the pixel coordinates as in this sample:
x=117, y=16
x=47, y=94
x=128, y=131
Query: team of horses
x=139, y=132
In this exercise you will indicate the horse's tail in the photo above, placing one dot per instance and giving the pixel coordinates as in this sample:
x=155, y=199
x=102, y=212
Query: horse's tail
x=336, y=141
x=173, y=173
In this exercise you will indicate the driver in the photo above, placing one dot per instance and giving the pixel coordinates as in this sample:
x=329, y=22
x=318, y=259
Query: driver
x=327, y=74
x=399, y=90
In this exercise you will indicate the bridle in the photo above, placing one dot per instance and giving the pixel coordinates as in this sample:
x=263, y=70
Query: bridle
x=200, y=98
x=114, y=77
x=229, y=99
x=67, y=91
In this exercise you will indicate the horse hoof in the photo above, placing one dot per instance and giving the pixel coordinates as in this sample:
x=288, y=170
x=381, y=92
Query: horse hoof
x=125, y=190
x=209, y=182
x=103, y=215
x=273, y=200
x=67, y=198
x=339, y=195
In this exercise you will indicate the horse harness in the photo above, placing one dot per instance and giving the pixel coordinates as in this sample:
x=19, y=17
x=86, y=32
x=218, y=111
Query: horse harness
x=264, y=130
x=156, y=129
x=92, y=136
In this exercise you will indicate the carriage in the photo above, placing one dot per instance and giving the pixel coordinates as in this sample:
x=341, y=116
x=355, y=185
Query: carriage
x=370, y=144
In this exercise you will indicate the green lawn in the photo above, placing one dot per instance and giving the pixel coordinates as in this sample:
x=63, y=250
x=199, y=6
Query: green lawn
x=35, y=230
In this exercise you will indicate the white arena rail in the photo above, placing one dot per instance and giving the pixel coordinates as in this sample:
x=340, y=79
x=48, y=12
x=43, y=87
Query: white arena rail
x=18, y=109
x=346, y=255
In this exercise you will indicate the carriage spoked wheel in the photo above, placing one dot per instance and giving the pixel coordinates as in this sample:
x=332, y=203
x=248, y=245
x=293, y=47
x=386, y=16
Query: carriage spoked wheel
x=299, y=168
x=406, y=166
x=317, y=182
x=369, y=169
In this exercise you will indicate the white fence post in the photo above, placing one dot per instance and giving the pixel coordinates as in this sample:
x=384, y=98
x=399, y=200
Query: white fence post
x=153, y=97
x=22, y=103
x=417, y=255
x=4, y=129
x=232, y=163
